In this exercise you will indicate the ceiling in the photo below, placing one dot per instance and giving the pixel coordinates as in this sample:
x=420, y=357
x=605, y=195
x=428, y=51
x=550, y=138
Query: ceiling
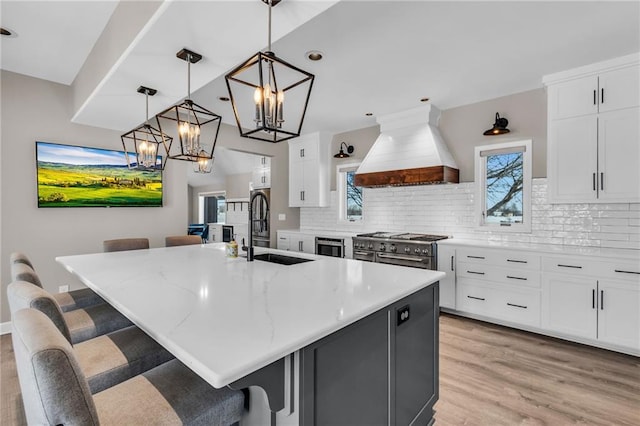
x=379, y=56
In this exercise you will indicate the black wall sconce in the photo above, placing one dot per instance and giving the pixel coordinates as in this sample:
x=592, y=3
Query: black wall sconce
x=343, y=154
x=499, y=127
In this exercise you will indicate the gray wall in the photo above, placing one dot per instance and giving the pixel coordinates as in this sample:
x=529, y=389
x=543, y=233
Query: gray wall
x=37, y=110
x=462, y=128
x=362, y=141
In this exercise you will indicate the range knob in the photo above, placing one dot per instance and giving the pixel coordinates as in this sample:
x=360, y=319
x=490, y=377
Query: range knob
x=393, y=248
x=417, y=250
x=407, y=250
x=370, y=246
x=382, y=247
x=425, y=251
x=361, y=245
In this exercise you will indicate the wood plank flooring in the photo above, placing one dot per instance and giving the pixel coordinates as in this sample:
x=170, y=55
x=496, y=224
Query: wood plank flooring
x=489, y=375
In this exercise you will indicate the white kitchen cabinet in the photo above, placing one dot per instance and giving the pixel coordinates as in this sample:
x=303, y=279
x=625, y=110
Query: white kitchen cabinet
x=594, y=133
x=309, y=170
x=261, y=175
x=446, y=264
x=594, y=300
x=283, y=241
x=296, y=241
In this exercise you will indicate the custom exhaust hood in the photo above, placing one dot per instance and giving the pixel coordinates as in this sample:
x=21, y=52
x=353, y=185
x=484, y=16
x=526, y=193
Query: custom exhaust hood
x=409, y=151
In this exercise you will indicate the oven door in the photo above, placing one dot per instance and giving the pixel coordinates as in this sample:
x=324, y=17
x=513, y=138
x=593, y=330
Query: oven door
x=367, y=256
x=404, y=260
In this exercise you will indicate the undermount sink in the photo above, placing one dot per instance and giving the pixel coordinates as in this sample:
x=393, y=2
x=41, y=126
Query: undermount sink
x=280, y=258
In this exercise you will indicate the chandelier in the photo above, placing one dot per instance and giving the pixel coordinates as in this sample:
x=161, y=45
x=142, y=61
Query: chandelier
x=197, y=140
x=142, y=144
x=269, y=96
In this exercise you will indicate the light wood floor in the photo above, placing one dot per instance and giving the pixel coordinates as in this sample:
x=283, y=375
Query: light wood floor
x=489, y=375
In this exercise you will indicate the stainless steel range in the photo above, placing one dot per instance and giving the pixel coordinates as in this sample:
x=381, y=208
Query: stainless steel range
x=416, y=250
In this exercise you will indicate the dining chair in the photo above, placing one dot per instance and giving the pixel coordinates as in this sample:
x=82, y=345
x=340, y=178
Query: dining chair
x=182, y=240
x=22, y=270
x=55, y=390
x=78, y=325
x=122, y=244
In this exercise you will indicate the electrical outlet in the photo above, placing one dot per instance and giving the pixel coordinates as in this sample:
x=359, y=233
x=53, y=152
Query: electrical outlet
x=282, y=216
x=403, y=314
x=63, y=289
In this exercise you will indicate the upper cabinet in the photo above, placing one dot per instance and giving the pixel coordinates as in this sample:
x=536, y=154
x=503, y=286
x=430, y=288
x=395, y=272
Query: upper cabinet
x=594, y=133
x=261, y=176
x=309, y=170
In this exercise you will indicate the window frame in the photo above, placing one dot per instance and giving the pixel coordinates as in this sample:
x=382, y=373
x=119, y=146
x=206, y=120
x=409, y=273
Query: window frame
x=341, y=186
x=481, y=180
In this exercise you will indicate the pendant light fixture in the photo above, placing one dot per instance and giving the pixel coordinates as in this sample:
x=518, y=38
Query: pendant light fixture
x=142, y=144
x=499, y=127
x=269, y=96
x=343, y=154
x=197, y=127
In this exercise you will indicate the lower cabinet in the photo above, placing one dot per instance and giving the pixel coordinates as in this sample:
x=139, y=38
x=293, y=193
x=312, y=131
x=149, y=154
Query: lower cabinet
x=447, y=264
x=296, y=241
x=381, y=370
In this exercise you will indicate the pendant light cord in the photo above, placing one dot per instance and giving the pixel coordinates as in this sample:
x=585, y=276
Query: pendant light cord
x=269, y=44
x=146, y=94
x=189, y=76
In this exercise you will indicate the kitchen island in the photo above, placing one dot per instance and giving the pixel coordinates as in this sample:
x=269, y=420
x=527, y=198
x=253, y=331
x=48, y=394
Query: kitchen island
x=330, y=340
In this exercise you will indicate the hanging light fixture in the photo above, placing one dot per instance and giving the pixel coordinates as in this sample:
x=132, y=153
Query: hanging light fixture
x=260, y=88
x=144, y=142
x=197, y=140
x=499, y=127
x=343, y=154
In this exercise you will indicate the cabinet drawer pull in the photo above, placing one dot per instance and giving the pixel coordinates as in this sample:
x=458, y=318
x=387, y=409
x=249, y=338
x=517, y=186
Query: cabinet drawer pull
x=569, y=266
x=476, y=257
x=516, y=278
x=516, y=306
x=473, y=272
x=476, y=298
x=517, y=261
x=626, y=272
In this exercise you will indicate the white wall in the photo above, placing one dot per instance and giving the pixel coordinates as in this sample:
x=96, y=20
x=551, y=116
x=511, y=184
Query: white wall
x=37, y=110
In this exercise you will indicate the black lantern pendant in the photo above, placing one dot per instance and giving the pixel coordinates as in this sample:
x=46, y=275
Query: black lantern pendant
x=499, y=127
x=197, y=127
x=142, y=144
x=269, y=96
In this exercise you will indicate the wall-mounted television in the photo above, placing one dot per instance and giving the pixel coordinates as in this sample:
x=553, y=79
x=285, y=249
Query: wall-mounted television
x=77, y=176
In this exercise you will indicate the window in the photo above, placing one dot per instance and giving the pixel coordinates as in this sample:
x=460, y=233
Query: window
x=350, y=196
x=503, y=186
x=212, y=207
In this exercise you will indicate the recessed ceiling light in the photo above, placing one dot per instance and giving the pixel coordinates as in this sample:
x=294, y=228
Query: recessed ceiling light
x=7, y=32
x=424, y=100
x=368, y=114
x=223, y=98
x=314, y=55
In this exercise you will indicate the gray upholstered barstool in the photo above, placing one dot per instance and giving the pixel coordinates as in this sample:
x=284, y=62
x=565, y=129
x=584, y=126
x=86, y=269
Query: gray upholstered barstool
x=55, y=390
x=182, y=240
x=123, y=244
x=22, y=270
x=77, y=325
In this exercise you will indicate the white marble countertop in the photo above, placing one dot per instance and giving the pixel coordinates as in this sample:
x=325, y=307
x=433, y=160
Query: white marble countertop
x=549, y=249
x=224, y=317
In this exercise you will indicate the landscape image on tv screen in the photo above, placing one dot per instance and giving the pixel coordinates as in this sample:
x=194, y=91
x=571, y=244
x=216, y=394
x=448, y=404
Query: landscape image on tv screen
x=75, y=176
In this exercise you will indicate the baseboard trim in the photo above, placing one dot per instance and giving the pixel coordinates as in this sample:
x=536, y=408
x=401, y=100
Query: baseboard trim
x=5, y=327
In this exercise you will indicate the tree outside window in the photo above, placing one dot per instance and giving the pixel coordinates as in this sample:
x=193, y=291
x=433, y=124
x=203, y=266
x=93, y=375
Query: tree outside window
x=354, y=197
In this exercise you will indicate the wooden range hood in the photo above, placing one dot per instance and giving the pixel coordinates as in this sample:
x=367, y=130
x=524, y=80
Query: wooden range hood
x=409, y=151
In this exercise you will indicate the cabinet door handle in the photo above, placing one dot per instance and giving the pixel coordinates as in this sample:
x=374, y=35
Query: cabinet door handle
x=473, y=272
x=626, y=272
x=594, y=96
x=593, y=298
x=601, y=181
x=301, y=196
x=452, y=263
x=569, y=266
x=594, y=182
x=517, y=261
x=475, y=298
x=516, y=278
x=602, y=95
x=299, y=245
x=475, y=257
x=601, y=300
x=516, y=306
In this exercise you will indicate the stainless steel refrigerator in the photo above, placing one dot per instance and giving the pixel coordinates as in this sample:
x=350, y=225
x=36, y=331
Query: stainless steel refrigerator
x=260, y=227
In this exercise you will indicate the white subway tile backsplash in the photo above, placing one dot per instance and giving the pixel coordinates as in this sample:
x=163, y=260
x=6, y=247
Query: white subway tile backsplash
x=449, y=209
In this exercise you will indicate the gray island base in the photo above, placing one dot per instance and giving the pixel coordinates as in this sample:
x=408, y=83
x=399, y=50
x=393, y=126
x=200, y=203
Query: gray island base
x=381, y=370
